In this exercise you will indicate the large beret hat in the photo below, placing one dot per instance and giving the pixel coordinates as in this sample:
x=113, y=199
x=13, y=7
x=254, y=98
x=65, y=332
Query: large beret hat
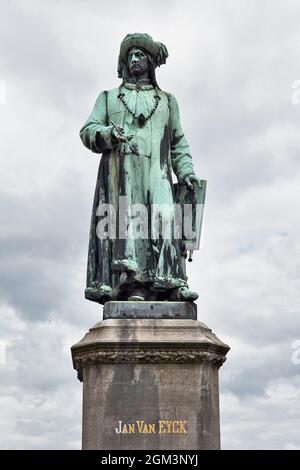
x=157, y=50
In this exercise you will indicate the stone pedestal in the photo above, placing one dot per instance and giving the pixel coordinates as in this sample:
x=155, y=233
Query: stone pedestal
x=155, y=379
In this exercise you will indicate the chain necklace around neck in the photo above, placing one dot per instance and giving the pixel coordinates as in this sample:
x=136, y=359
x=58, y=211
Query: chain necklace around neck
x=141, y=119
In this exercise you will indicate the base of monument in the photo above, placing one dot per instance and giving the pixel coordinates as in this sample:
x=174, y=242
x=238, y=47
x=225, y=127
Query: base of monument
x=149, y=383
x=155, y=310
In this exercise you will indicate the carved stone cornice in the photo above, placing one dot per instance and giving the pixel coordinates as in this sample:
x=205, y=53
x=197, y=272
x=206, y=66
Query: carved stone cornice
x=145, y=356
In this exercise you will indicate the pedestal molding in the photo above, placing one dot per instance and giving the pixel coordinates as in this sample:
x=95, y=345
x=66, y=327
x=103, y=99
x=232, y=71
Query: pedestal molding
x=146, y=355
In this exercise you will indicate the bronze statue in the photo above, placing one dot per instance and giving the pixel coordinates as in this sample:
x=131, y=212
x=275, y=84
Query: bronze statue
x=137, y=129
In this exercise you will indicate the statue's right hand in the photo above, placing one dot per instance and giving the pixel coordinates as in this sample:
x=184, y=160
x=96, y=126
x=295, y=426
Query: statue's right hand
x=120, y=135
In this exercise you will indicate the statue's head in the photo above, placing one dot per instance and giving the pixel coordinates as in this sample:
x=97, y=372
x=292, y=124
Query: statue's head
x=139, y=56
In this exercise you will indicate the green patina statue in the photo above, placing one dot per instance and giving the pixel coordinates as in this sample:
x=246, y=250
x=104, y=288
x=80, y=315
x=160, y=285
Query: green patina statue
x=137, y=129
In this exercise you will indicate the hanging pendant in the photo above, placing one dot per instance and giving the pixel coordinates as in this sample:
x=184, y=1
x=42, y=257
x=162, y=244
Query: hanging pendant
x=141, y=120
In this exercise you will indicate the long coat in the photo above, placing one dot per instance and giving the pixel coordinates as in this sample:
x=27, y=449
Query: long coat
x=144, y=177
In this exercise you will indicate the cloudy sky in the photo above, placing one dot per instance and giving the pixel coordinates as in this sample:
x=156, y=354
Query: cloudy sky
x=232, y=66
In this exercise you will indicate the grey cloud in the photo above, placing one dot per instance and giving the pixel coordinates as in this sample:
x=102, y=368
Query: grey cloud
x=42, y=237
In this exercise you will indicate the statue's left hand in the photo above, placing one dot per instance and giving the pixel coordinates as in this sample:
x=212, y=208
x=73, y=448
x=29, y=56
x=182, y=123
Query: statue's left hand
x=189, y=179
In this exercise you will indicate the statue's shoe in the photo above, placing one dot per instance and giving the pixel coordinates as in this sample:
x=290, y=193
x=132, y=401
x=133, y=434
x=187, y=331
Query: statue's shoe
x=184, y=294
x=136, y=296
x=101, y=295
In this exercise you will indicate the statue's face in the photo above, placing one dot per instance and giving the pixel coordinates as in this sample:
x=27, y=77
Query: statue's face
x=137, y=62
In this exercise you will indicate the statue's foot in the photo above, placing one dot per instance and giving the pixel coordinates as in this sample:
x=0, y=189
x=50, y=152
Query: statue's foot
x=101, y=295
x=136, y=296
x=184, y=294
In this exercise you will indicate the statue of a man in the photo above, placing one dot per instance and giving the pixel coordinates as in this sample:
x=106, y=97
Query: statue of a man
x=137, y=129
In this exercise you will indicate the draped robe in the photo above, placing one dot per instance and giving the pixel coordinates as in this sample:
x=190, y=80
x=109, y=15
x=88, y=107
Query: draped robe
x=145, y=179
